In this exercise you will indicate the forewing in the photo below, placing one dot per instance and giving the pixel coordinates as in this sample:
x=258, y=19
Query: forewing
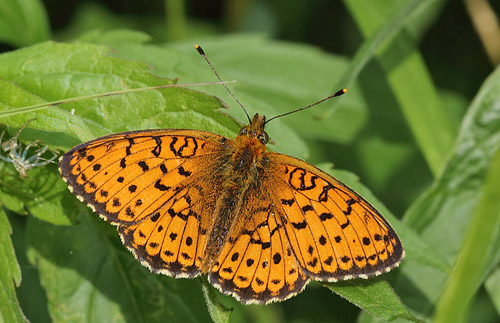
x=335, y=234
x=150, y=183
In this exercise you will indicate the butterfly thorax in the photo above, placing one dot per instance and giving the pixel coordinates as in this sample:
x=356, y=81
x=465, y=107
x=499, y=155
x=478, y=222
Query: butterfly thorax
x=250, y=146
x=241, y=173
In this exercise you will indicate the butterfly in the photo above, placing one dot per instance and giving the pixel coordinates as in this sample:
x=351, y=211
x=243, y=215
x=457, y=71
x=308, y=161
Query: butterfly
x=260, y=224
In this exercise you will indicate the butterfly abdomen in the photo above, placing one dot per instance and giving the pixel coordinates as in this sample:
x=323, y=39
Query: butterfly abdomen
x=241, y=172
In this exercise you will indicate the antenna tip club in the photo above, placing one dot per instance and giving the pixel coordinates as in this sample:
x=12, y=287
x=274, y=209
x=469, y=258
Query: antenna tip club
x=199, y=49
x=340, y=92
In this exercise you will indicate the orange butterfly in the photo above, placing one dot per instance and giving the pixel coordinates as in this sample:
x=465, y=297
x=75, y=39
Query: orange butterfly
x=260, y=224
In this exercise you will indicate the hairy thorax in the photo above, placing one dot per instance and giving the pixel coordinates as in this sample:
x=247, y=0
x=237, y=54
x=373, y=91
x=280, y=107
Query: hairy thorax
x=242, y=172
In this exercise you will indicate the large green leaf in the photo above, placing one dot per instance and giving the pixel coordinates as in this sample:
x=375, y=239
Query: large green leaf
x=271, y=79
x=475, y=256
x=88, y=276
x=10, y=274
x=376, y=297
x=443, y=214
x=52, y=71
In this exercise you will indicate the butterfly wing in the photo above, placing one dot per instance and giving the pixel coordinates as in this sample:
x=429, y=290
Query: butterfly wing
x=257, y=264
x=334, y=233
x=150, y=184
x=301, y=223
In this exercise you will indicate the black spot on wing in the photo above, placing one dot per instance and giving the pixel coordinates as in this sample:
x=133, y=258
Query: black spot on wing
x=157, y=150
x=143, y=165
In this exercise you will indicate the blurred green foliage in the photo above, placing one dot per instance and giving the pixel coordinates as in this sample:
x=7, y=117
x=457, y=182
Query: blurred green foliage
x=420, y=127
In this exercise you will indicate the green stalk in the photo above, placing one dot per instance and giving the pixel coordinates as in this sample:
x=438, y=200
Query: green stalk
x=470, y=268
x=176, y=19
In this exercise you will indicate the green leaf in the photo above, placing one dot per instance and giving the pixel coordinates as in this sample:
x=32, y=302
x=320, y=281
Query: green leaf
x=474, y=260
x=492, y=285
x=456, y=191
x=218, y=312
x=14, y=96
x=369, y=48
x=23, y=22
x=407, y=75
x=443, y=214
x=10, y=274
x=270, y=79
x=30, y=294
x=51, y=71
x=42, y=193
x=375, y=296
x=57, y=71
x=87, y=277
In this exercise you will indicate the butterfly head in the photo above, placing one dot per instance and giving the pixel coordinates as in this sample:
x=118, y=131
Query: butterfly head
x=255, y=130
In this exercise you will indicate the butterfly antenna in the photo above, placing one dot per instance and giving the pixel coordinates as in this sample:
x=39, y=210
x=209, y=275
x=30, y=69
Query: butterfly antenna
x=202, y=53
x=338, y=93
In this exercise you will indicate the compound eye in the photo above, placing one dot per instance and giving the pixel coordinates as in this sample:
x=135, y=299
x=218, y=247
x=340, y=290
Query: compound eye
x=263, y=137
x=243, y=131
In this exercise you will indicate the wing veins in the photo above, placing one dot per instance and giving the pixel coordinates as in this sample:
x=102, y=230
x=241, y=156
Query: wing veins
x=135, y=152
x=281, y=242
x=355, y=231
x=384, y=226
x=180, y=236
x=315, y=243
x=303, y=214
x=308, y=226
x=135, y=163
x=368, y=231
